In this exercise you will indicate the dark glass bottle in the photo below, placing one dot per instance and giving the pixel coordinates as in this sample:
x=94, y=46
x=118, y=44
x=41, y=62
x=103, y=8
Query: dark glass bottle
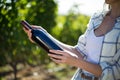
x=42, y=38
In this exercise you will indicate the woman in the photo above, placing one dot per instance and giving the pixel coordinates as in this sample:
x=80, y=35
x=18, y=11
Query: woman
x=97, y=54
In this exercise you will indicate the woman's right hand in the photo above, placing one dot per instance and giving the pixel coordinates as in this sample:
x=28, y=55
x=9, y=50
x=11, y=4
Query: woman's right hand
x=29, y=34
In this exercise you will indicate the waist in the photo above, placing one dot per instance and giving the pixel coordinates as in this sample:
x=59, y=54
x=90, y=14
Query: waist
x=84, y=76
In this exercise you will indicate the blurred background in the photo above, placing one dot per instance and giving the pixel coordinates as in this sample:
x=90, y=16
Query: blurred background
x=66, y=20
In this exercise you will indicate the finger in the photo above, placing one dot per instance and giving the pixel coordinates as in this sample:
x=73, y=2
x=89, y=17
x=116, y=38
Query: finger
x=30, y=36
x=29, y=33
x=56, y=60
x=55, y=56
x=31, y=40
x=59, y=52
x=56, y=51
x=36, y=27
x=25, y=30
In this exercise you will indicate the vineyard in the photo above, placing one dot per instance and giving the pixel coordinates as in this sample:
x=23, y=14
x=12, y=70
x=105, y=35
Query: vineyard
x=22, y=60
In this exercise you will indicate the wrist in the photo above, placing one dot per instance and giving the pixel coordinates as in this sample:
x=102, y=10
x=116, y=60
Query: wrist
x=78, y=62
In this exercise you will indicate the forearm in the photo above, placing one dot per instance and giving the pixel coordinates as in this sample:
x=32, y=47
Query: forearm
x=90, y=67
x=76, y=62
x=61, y=44
x=67, y=47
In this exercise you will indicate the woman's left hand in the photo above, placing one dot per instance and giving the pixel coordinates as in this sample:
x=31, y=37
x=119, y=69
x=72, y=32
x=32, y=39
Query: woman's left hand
x=59, y=56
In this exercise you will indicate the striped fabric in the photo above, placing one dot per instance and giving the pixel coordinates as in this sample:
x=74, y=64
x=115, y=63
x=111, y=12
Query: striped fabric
x=110, y=53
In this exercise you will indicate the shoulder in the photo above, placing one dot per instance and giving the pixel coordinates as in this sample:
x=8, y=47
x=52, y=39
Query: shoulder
x=99, y=15
x=96, y=19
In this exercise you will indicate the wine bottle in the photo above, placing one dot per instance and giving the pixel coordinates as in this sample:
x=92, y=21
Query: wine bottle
x=42, y=38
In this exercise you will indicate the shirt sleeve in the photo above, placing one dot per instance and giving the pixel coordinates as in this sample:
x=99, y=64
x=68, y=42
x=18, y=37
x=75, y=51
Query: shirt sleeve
x=111, y=71
x=81, y=45
x=82, y=39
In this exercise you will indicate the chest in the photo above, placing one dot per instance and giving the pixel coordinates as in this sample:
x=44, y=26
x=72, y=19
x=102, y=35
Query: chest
x=106, y=25
x=111, y=43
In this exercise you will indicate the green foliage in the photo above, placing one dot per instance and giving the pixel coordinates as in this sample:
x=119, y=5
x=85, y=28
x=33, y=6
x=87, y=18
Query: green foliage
x=43, y=13
x=15, y=46
x=70, y=27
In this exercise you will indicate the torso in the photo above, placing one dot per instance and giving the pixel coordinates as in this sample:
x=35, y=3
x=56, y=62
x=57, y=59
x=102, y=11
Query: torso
x=111, y=41
x=105, y=26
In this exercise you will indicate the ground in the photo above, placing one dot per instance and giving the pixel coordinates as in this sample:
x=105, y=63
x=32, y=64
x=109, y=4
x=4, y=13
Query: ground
x=40, y=73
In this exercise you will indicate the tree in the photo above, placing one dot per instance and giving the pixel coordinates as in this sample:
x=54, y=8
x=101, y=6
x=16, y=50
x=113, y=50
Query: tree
x=74, y=25
x=14, y=45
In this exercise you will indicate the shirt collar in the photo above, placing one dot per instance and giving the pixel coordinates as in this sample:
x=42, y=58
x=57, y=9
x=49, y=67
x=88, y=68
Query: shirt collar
x=105, y=13
x=118, y=19
x=99, y=18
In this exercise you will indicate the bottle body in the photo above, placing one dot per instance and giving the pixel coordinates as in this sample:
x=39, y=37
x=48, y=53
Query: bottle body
x=44, y=40
x=41, y=37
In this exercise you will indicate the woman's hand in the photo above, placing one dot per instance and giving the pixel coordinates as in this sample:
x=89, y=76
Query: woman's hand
x=63, y=57
x=28, y=32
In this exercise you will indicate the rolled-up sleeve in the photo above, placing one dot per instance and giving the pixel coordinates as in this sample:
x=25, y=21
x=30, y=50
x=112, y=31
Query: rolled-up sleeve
x=111, y=71
x=81, y=45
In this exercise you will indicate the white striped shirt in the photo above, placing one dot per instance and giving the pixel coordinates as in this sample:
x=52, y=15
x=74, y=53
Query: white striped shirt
x=110, y=53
